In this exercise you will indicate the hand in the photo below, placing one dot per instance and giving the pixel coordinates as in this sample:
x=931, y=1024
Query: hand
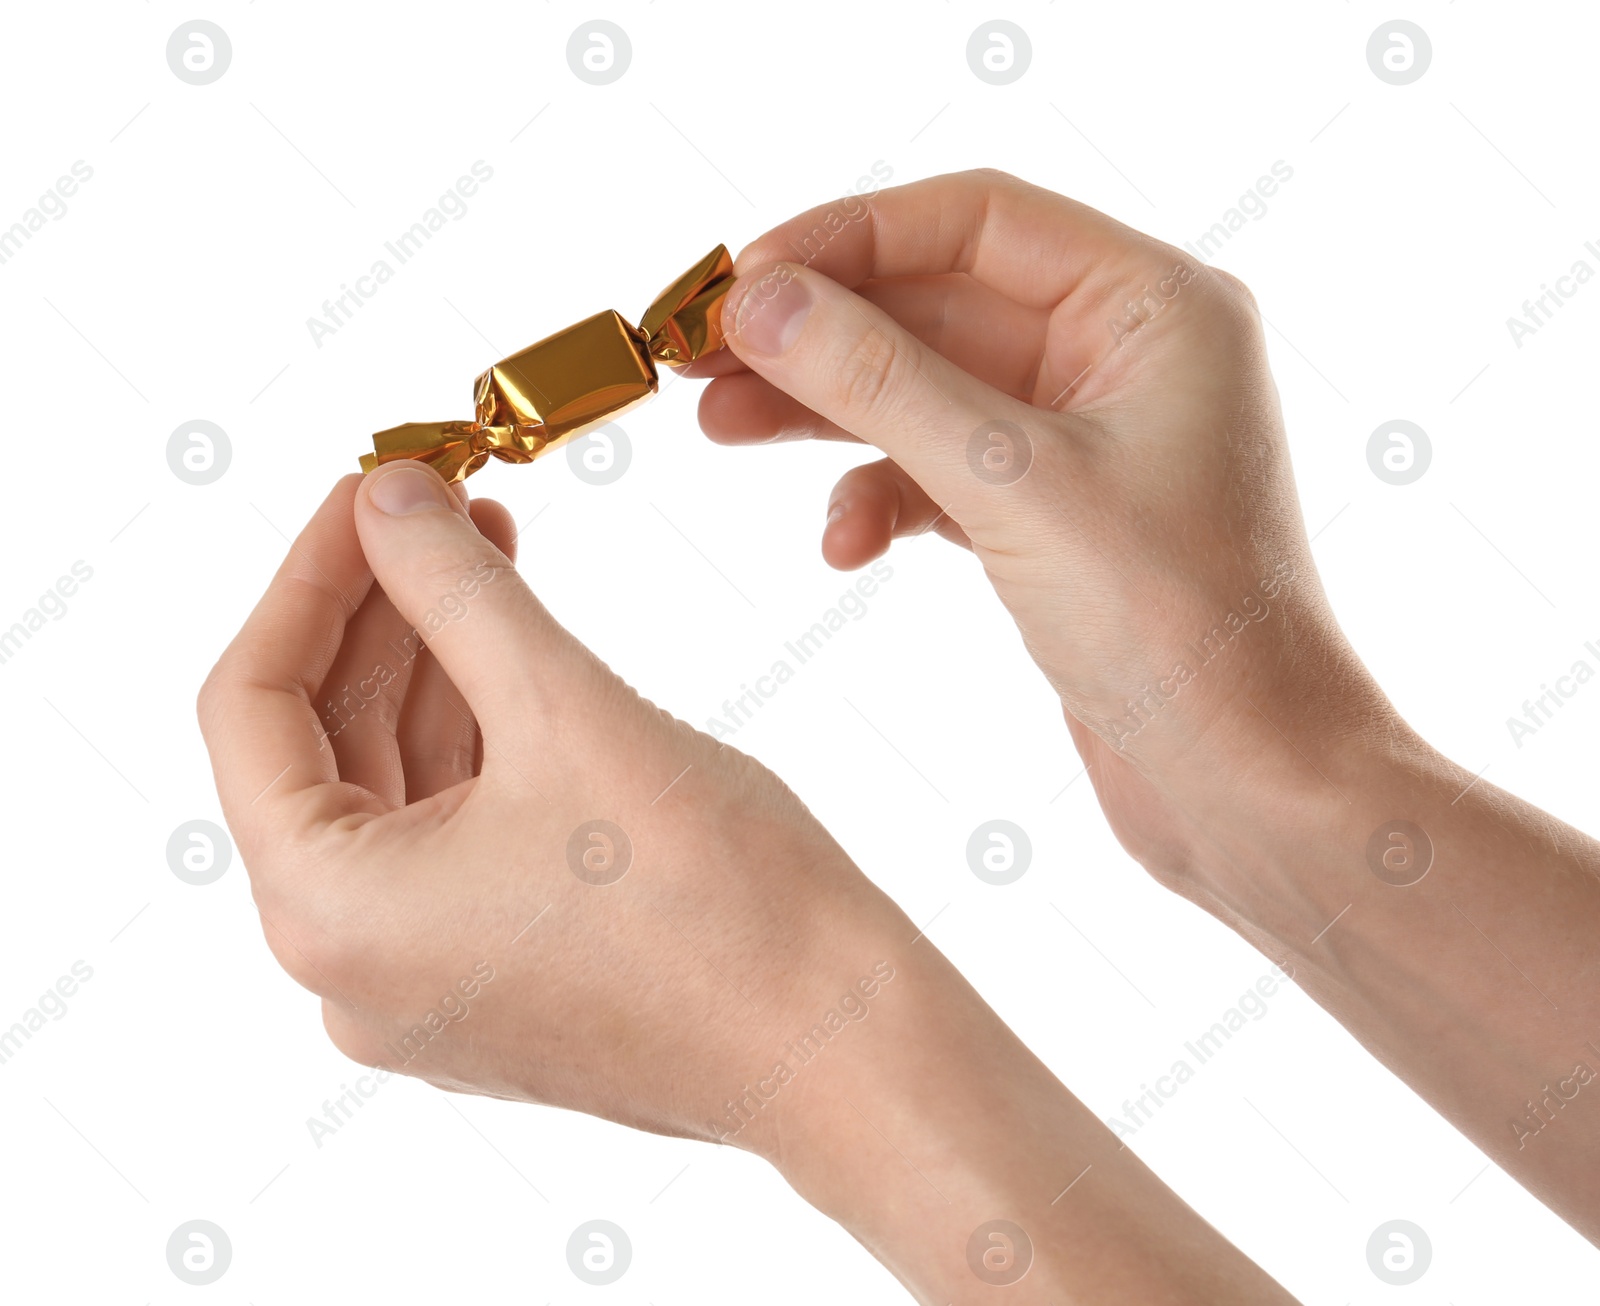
x=423, y=828
x=594, y=915
x=1090, y=411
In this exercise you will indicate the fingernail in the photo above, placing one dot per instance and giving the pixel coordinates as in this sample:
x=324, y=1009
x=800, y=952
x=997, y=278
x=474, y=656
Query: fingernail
x=771, y=311
x=835, y=512
x=407, y=490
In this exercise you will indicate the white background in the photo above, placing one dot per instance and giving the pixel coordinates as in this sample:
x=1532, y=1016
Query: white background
x=178, y=286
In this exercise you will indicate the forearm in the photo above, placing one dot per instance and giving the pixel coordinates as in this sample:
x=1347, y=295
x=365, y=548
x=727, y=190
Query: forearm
x=936, y=1124
x=1462, y=948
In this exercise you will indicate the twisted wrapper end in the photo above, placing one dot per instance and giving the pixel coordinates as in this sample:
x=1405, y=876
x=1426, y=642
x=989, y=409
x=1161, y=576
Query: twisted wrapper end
x=453, y=449
x=570, y=382
x=685, y=321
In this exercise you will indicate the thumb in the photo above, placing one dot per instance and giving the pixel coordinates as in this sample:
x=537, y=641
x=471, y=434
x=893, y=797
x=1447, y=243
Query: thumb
x=849, y=361
x=462, y=596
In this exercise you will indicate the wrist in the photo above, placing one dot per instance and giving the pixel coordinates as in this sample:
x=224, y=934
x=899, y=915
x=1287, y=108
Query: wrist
x=1316, y=812
x=1445, y=924
x=1252, y=768
x=932, y=1134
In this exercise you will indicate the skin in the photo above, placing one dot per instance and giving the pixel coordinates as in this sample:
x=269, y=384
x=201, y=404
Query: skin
x=408, y=821
x=395, y=853
x=1264, y=783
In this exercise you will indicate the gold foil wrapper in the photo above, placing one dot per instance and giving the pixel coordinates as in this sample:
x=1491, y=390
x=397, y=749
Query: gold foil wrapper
x=571, y=382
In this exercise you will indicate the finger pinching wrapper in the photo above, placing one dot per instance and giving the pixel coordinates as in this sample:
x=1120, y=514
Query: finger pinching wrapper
x=570, y=382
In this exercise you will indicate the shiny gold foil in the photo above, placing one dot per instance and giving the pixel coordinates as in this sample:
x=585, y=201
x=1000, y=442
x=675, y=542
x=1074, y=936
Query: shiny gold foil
x=685, y=321
x=571, y=382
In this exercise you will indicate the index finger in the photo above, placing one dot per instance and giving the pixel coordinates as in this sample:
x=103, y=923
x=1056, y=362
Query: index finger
x=269, y=751
x=1027, y=243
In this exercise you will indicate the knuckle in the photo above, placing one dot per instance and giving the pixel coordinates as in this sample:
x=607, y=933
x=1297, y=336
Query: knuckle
x=332, y=960
x=868, y=374
x=316, y=952
x=453, y=560
x=205, y=702
x=1236, y=290
x=212, y=699
x=350, y=1035
x=294, y=962
x=450, y=580
x=992, y=177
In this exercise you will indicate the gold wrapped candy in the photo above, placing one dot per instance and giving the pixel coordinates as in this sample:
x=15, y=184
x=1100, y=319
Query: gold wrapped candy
x=570, y=382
